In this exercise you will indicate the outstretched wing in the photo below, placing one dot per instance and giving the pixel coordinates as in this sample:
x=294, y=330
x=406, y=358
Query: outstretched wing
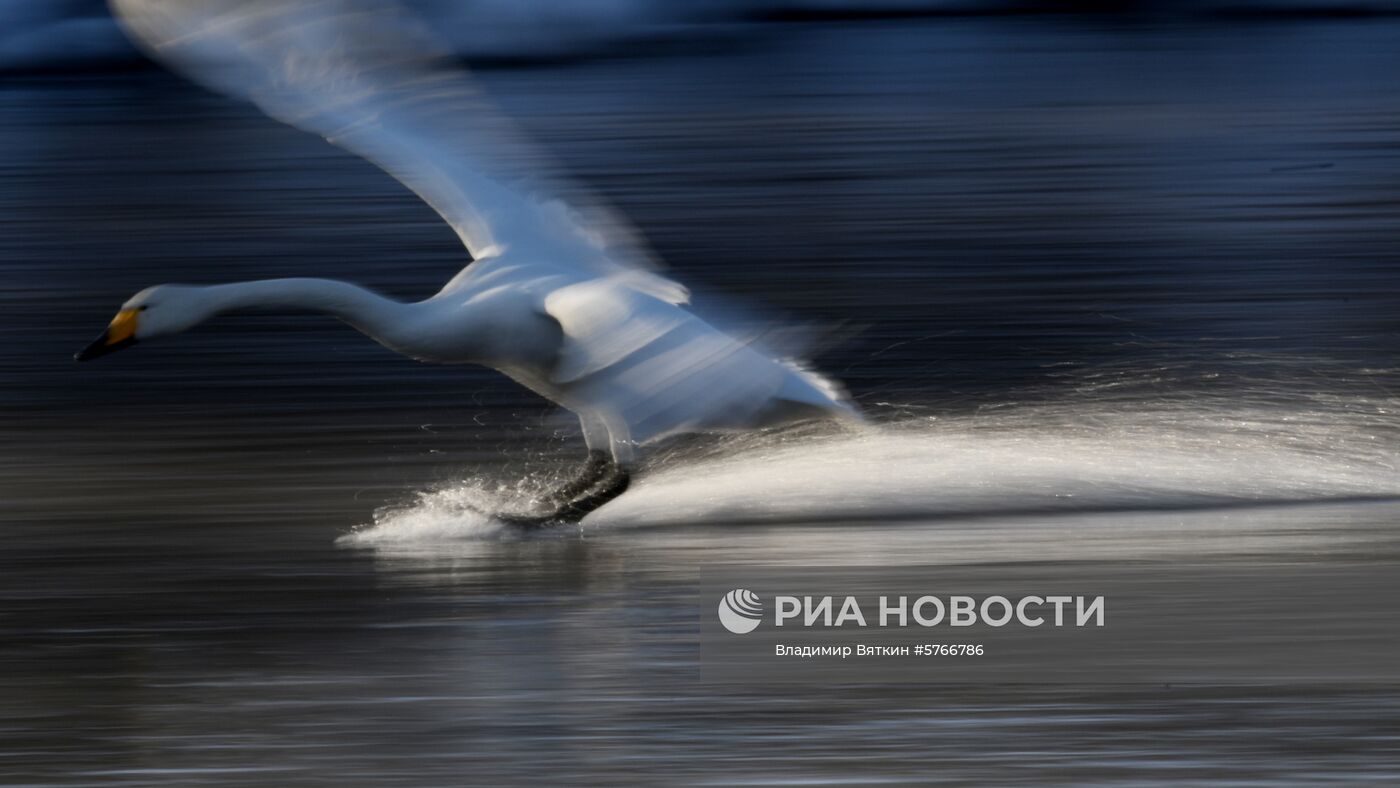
x=370, y=78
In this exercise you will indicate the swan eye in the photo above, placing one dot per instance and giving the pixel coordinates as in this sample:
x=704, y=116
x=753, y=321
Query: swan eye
x=143, y=307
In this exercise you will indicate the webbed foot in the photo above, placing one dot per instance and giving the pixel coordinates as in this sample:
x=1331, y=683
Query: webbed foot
x=594, y=469
x=612, y=483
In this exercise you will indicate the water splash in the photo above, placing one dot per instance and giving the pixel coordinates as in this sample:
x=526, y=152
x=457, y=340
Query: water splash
x=1047, y=459
x=470, y=510
x=454, y=513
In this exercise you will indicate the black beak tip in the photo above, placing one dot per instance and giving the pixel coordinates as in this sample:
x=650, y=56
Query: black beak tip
x=100, y=347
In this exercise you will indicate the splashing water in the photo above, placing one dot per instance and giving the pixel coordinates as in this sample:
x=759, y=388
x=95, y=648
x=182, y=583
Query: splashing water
x=1006, y=462
x=466, y=510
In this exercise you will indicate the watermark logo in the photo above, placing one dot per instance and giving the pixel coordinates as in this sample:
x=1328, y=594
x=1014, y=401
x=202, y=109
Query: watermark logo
x=740, y=611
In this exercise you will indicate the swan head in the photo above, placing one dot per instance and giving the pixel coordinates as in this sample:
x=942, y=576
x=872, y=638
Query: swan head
x=154, y=312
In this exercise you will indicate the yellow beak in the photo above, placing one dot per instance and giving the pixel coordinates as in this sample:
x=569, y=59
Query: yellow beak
x=120, y=333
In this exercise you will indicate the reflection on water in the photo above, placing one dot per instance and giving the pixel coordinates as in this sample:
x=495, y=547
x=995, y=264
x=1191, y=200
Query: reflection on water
x=1113, y=294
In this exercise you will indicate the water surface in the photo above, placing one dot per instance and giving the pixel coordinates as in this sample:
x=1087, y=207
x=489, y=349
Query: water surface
x=1111, y=293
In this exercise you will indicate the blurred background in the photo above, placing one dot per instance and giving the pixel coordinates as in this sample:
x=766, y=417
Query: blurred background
x=48, y=34
x=1117, y=283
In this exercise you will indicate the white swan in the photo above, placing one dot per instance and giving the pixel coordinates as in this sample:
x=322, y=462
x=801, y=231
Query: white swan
x=561, y=296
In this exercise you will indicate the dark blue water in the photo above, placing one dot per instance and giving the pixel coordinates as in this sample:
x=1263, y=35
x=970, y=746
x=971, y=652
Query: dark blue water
x=1139, y=267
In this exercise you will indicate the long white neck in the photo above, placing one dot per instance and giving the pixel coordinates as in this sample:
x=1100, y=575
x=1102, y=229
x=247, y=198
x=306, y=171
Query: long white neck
x=367, y=311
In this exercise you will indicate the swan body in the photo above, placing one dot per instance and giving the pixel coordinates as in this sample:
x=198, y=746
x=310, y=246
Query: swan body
x=562, y=297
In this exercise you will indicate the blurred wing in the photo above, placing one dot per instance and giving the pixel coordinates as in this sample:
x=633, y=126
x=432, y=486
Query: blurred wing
x=369, y=78
x=665, y=371
x=603, y=323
